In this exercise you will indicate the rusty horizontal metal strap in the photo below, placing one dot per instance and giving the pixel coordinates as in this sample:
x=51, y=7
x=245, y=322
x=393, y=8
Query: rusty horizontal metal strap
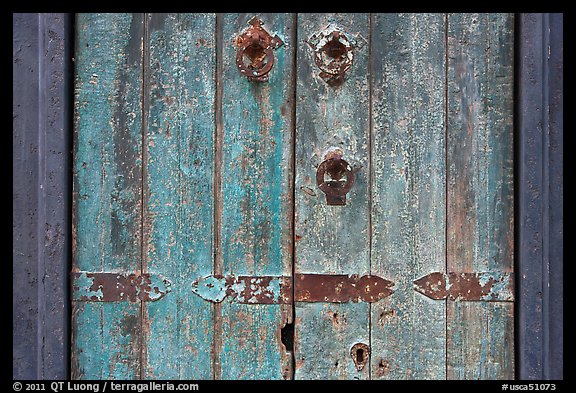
x=308, y=288
x=340, y=288
x=244, y=289
x=481, y=286
x=117, y=287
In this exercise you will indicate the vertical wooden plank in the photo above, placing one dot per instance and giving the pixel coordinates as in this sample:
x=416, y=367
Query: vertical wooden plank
x=256, y=200
x=480, y=235
x=408, y=192
x=178, y=192
x=331, y=239
x=107, y=188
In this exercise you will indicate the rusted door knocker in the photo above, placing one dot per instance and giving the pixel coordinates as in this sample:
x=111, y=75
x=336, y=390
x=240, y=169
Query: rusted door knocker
x=333, y=53
x=255, y=56
x=336, y=168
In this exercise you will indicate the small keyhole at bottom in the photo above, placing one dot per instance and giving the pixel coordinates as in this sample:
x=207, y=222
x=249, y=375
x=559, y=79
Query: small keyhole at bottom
x=360, y=353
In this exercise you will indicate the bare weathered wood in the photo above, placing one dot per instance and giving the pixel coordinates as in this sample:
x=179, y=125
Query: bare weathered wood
x=480, y=236
x=408, y=192
x=331, y=239
x=107, y=188
x=256, y=200
x=178, y=194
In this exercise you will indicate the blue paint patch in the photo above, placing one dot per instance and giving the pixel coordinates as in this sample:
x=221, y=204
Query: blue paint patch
x=210, y=288
x=82, y=288
x=159, y=286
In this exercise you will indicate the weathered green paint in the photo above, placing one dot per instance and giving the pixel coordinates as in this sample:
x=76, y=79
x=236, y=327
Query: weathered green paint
x=480, y=234
x=408, y=192
x=178, y=190
x=256, y=200
x=107, y=188
x=331, y=239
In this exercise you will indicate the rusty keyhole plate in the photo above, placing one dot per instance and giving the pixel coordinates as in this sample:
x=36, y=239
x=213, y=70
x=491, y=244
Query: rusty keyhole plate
x=360, y=353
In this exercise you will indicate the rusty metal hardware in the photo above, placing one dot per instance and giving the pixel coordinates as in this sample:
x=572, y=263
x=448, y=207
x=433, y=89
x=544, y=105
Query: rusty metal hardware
x=255, y=56
x=334, y=53
x=245, y=289
x=484, y=286
x=360, y=353
x=308, y=288
x=117, y=287
x=336, y=168
x=340, y=288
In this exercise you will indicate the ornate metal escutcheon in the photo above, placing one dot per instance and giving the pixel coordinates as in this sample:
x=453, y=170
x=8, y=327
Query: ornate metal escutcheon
x=255, y=56
x=334, y=53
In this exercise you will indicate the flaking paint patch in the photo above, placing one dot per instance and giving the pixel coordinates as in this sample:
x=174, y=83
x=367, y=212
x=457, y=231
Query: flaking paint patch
x=242, y=289
x=211, y=288
x=83, y=288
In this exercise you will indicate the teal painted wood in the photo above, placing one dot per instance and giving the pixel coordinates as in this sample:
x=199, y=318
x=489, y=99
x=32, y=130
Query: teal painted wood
x=480, y=236
x=408, y=192
x=107, y=188
x=216, y=153
x=255, y=214
x=178, y=191
x=331, y=239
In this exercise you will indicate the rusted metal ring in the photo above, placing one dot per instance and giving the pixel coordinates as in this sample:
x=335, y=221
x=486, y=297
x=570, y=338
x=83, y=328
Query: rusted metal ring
x=250, y=72
x=329, y=165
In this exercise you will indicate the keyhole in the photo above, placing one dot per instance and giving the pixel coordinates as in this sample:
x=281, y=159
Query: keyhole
x=360, y=353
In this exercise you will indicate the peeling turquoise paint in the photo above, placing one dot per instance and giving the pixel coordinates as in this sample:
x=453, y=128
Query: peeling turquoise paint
x=256, y=198
x=158, y=287
x=242, y=289
x=331, y=239
x=82, y=287
x=107, y=189
x=211, y=288
x=179, y=190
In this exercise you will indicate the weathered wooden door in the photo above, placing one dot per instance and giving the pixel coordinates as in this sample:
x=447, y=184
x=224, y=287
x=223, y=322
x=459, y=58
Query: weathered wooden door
x=306, y=196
